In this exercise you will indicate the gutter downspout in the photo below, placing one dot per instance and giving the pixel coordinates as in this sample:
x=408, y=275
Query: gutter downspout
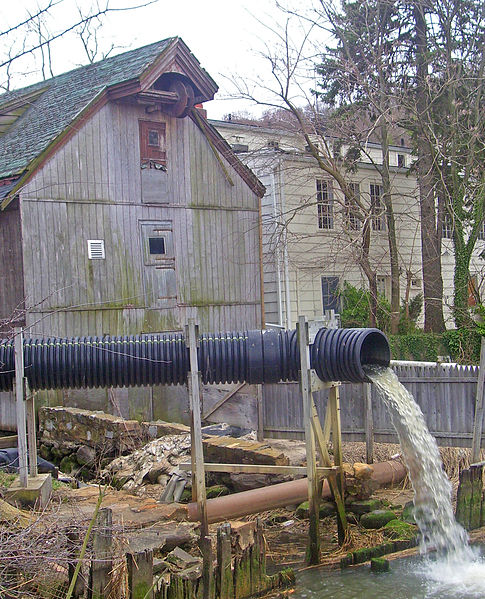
x=285, y=250
x=277, y=221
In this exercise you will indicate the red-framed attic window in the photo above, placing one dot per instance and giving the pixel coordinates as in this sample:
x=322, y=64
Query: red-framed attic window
x=153, y=143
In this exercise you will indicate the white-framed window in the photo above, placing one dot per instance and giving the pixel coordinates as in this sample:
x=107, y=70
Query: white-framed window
x=325, y=204
x=481, y=231
x=447, y=226
x=377, y=207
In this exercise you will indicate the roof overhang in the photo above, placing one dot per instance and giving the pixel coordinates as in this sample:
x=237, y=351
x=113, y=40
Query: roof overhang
x=175, y=58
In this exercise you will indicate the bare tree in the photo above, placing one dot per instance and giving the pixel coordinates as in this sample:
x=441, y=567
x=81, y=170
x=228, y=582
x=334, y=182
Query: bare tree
x=35, y=35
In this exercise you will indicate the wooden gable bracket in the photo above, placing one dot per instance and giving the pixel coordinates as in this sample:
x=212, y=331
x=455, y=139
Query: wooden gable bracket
x=177, y=100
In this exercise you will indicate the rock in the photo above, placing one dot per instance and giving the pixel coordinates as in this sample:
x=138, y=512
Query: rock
x=181, y=559
x=364, y=506
x=227, y=450
x=45, y=452
x=327, y=508
x=246, y=482
x=397, y=529
x=362, y=471
x=360, y=489
x=160, y=428
x=408, y=513
x=377, y=518
x=86, y=455
x=110, y=433
x=216, y=491
x=68, y=464
x=379, y=564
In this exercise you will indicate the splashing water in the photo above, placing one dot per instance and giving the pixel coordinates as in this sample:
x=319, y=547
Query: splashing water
x=457, y=570
x=433, y=511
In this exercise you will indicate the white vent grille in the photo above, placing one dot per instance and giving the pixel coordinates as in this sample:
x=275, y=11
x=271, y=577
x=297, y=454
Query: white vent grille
x=96, y=249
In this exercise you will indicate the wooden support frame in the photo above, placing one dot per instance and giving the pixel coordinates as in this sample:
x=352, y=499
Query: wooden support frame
x=197, y=454
x=20, y=405
x=256, y=469
x=313, y=553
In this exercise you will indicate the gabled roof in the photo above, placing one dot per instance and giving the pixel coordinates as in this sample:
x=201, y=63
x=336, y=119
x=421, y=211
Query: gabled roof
x=56, y=105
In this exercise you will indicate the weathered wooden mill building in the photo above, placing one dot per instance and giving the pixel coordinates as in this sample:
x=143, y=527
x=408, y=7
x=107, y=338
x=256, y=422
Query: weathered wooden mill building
x=122, y=210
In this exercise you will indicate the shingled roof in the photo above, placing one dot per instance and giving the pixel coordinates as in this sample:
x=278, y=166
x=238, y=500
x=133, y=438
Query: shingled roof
x=62, y=99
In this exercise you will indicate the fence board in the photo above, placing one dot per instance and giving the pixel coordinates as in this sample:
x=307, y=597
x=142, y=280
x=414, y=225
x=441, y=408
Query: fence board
x=445, y=393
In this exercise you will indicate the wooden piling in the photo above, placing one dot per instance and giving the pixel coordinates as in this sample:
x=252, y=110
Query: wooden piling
x=102, y=563
x=140, y=574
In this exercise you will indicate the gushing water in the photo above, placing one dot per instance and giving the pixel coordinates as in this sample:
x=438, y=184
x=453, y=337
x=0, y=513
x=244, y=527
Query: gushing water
x=433, y=511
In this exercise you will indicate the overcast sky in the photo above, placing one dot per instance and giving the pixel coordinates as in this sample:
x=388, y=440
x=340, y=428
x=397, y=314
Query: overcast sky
x=225, y=35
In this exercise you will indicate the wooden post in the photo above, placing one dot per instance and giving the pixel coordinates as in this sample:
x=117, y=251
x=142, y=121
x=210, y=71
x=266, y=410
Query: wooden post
x=198, y=477
x=20, y=405
x=31, y=432
x=313, y=555
x=334, y=405
x=225, y=583
x=102, y=564
x=259, y=395
x=479, y=407
x=369, y=424
x=140, y=574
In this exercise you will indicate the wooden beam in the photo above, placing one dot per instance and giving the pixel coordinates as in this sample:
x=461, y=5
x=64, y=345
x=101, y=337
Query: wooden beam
x=313, y=553
x=222, y=401
x=10, y=441
x=198, y=477
x=20, y=405
x=369, y=423
x=260, y=469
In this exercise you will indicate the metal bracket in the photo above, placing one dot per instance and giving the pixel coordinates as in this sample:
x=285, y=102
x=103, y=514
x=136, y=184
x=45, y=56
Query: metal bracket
x=313, y=327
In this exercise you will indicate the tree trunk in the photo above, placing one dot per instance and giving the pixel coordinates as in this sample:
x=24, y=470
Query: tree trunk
x=430, y=232
x=391, y=231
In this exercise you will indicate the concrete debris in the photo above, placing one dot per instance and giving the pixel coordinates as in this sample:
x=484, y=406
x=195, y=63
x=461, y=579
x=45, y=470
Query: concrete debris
x=150, y=464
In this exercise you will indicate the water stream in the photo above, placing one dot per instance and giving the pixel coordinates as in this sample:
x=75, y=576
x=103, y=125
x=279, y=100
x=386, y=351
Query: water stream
x=448, y=566
x=433, y=511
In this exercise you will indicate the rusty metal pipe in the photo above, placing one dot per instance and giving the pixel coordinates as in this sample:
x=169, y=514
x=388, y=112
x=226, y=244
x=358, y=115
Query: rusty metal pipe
x=281, y=495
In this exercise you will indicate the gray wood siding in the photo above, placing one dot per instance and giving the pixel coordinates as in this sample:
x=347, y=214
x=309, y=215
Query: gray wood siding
x=11, y=271
x=92, y=189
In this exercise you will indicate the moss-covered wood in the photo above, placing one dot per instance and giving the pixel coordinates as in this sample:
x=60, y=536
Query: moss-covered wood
x=469, y=501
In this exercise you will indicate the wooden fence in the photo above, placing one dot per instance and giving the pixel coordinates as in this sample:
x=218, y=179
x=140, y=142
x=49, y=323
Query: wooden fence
x=445, y=393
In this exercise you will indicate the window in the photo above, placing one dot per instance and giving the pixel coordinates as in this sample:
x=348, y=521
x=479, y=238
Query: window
x=481, y=232
x=377, y=208
x=330, y=295
x=325, y=204
x=401, y=160
x=156, y=245
x=447, y=226
x=382, y=286
x=274, y=145
x=153, y=152
x=352, y=221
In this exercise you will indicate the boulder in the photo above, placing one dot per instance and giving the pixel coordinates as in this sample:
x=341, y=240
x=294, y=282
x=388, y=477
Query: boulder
x=408, y=513
x=86, y=455
x=399, y=530
x=377, y=518
x=327, y=508
x=364, y=506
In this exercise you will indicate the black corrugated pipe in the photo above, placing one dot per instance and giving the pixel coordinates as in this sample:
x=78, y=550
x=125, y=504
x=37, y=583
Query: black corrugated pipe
x=163, y=359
